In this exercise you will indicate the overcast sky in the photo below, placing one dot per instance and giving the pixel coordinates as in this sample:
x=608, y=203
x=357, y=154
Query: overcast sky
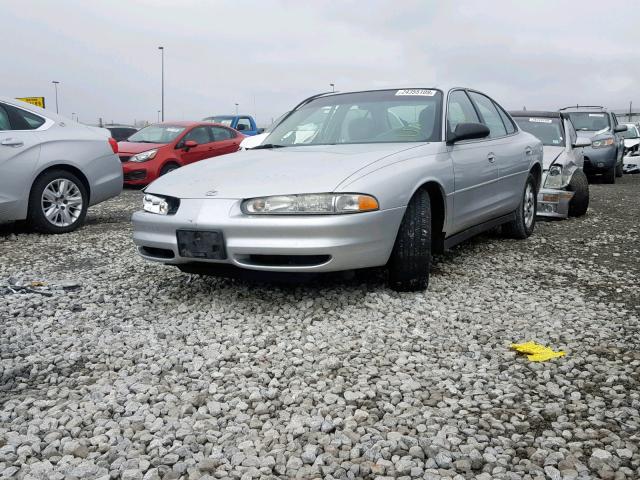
x=268, y=55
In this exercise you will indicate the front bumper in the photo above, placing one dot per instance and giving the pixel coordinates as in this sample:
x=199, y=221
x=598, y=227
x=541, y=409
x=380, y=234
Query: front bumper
x=272, y=243
x=631, y=164
x=554, y=203
x=599, y=160
x=135, y=173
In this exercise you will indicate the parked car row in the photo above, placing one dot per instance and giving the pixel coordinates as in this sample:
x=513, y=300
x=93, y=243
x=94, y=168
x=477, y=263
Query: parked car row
x=343, y=181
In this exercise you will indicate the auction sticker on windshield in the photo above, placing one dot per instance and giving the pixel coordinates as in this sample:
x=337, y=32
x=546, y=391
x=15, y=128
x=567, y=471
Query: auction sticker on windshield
x=417, y=92
x=541, y=120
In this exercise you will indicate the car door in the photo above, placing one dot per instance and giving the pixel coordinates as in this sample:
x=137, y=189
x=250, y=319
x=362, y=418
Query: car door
x=245, y=126
x=224, y=141
x=19, y=155
x=202, y=150
x=511, y=154
x=474, y=167
x=619, y=137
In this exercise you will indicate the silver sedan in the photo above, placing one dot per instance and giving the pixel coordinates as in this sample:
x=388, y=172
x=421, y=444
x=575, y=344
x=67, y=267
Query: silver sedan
x=52, y=168
x=349, y=181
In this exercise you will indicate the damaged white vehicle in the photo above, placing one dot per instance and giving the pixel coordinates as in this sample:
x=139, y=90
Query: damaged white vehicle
x=565, y=188
x=631, y=160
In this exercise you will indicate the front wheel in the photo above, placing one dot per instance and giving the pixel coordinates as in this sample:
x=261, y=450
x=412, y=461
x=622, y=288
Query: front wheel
x=619, y=171
x=524, y=223
x=609, y=176
x=410, y=260
x=579, y=185
x=58, y=202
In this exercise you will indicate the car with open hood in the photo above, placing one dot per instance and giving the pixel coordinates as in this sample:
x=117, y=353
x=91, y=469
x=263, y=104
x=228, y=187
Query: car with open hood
x=604, y=155
x=565, y=188
x=349, y=181
x=53, y=169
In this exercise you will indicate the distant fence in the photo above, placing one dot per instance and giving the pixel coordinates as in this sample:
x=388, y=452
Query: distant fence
x=626, y=118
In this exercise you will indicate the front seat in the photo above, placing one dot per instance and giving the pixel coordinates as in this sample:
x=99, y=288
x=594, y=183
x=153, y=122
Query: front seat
x=427, y=121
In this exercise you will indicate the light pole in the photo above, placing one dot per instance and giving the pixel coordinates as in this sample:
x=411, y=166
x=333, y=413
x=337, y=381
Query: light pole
x=55, y=85
x=162, y=56
x=237, y=108
x=333, y=87
x=158, y=116
x=72, y=115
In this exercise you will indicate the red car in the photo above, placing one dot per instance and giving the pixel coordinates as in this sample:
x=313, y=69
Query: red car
x=159, y=148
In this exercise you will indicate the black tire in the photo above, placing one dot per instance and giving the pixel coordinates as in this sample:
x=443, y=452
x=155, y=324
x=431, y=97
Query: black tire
x=410, y=259
x=523, y=225
x=609, y=176
x=619, y=171
x=169, y=167
x=579, y=185
x=36, y=217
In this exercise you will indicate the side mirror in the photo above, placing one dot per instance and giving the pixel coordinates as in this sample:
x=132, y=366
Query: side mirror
x=260, y=130
x=468, y=131
x=620, y=128
x=582, y=142
x=190, y=144
x=241, y=127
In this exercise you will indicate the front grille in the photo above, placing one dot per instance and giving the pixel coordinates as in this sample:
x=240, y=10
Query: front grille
x=135, y=175
x=124, y=158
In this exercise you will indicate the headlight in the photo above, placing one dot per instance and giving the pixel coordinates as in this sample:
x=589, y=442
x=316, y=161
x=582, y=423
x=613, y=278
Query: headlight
x=144, y=156
x=607, y=142
x=554, y=177
x=310, y=204
x=160, y=205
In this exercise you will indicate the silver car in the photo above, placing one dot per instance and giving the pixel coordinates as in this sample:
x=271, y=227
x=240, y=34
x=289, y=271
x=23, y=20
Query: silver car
x=52, y=168
x=565, y=188
x=349, y=181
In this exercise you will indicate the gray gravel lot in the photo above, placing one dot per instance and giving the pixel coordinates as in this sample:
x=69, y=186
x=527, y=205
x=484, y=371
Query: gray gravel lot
x=140, y=371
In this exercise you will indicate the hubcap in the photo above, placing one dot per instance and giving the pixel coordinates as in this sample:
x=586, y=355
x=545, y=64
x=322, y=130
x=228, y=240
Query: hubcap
x=529, y=206
x=62, y=202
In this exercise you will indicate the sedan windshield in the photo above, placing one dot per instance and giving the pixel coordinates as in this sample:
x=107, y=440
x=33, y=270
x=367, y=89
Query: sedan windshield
x=226, y=121
x=592, y=122
x=632, y=132
x=383, y=116
x=156, y=134
x=548, y=130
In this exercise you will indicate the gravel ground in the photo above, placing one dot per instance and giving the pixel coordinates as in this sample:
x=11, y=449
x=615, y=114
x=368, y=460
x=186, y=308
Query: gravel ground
x=133, y=370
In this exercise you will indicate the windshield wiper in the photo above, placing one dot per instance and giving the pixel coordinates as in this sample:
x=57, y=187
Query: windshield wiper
x=267, y=145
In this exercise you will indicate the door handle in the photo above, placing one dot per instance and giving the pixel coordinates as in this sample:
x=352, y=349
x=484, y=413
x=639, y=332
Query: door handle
x=528, y=151
x=491, y=157
x=12, y=142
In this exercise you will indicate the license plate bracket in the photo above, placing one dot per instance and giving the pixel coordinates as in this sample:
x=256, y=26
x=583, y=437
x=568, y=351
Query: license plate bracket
x=204, y=244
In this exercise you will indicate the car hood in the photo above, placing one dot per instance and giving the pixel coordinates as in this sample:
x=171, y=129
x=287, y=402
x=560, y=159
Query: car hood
x=134, y=147
x=605, y=132
x=279, y=171
x=550, y=154
x=630, y=142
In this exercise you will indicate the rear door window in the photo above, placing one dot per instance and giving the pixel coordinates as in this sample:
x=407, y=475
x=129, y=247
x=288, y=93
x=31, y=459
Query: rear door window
x=219, y=134
x=21, y=119
x=4, y=119
x=511, y=128
x=490, y=116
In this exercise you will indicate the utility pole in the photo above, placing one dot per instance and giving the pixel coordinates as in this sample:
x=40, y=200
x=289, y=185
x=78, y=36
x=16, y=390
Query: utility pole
x=630, y=104
x=55, y=85
x=162, y=56
x=237, y=108
x=158, y=116
x=333, y=87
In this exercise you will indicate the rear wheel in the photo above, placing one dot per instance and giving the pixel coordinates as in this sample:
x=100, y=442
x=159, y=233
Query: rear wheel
x=58, y=202
x=169, y=167
x=610, y=176
x=579, y=185
x=524, y=223
x=411, y=257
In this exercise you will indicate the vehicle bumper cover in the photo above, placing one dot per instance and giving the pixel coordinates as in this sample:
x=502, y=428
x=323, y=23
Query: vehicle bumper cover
x=631, y=164
x=554, y=203
x=135, y=173
x=598, y=160
x=346, y=242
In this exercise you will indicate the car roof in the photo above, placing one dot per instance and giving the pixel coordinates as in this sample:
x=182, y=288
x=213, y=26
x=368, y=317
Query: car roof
x=584, y=108
x=117, y=125
x=534, y=113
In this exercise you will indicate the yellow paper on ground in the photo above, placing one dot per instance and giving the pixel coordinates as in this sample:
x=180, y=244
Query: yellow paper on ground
x=536, y=352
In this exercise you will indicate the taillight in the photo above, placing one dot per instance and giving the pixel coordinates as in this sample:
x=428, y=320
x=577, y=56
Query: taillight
x=114, y=144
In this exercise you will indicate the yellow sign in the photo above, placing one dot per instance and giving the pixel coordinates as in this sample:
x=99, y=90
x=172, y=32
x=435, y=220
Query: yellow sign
x=37, y=101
